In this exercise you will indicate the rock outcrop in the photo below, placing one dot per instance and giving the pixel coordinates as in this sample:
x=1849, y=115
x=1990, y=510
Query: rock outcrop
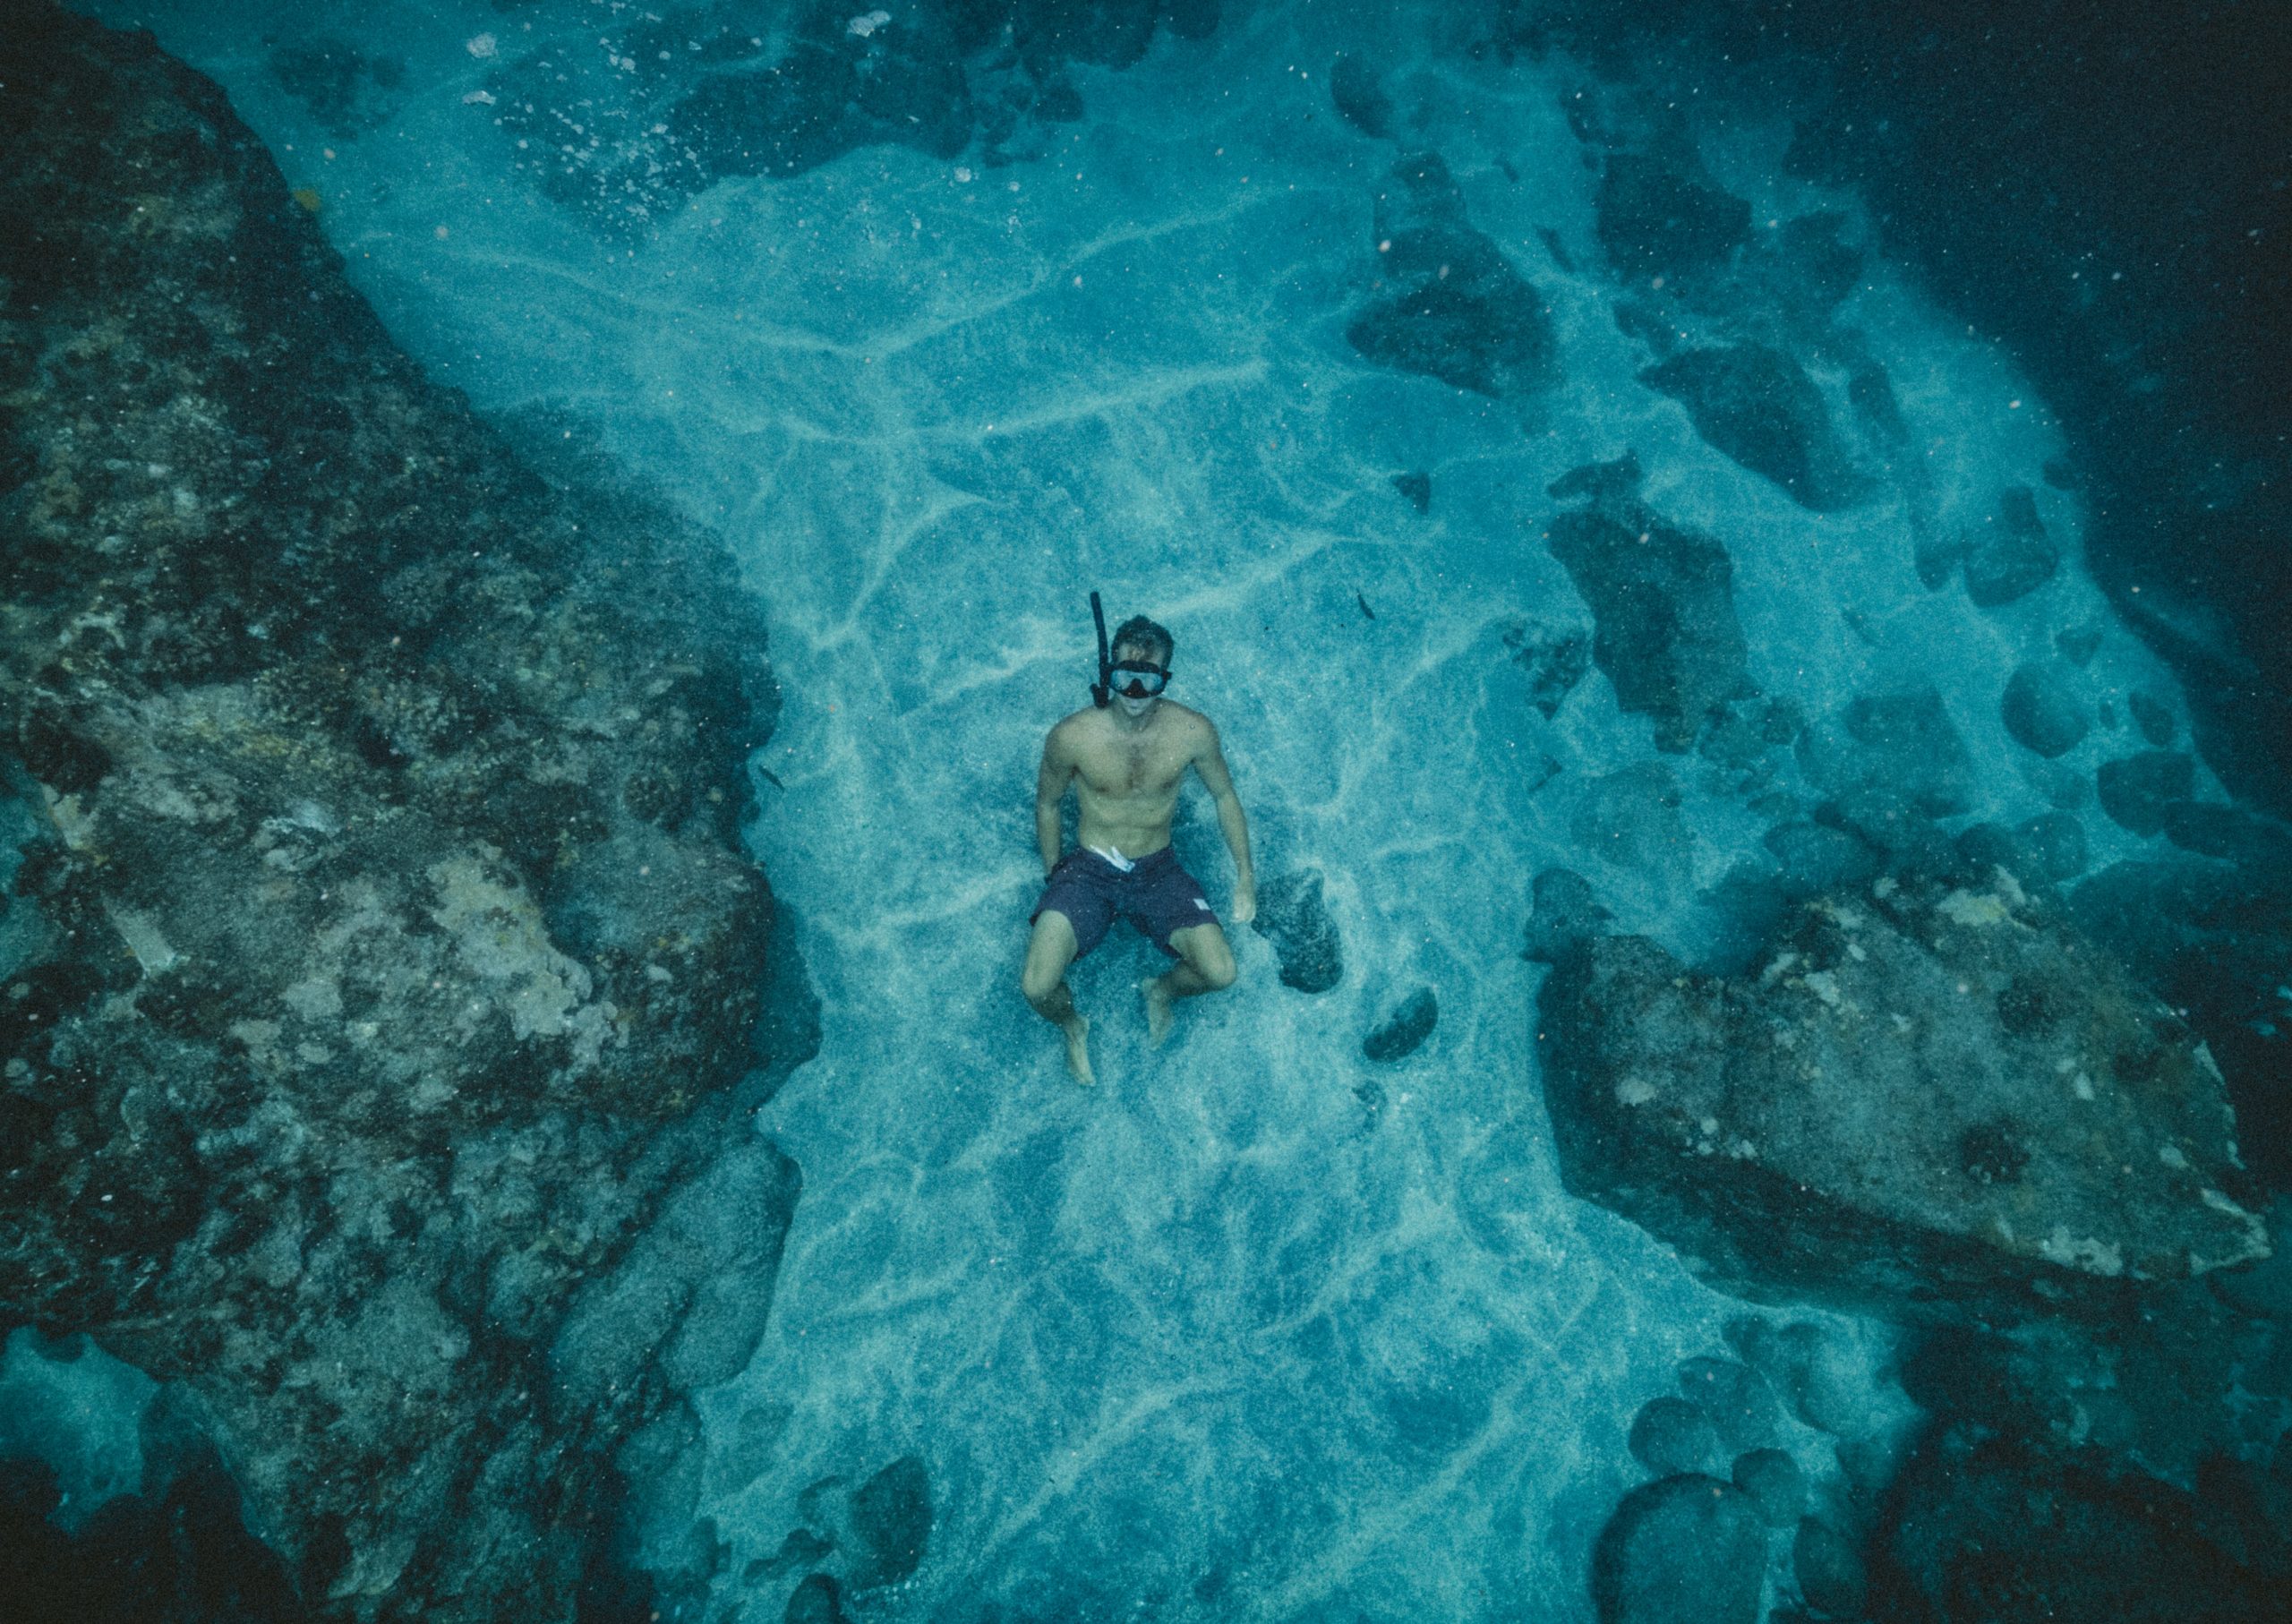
x=1932, y=1101
x=1756, y=405
x=380, y=954
x=1449, y=303
x=1661, y=600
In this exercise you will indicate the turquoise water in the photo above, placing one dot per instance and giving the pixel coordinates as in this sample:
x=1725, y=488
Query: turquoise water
x=1260, y=1329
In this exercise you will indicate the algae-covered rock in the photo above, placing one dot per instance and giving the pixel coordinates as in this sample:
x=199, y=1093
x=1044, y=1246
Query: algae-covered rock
x=1292, y=917
x=1940, y=1101
x=382, y=955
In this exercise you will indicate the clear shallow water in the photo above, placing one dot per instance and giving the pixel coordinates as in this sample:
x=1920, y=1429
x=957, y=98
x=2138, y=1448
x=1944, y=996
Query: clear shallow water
x=1259, y=1328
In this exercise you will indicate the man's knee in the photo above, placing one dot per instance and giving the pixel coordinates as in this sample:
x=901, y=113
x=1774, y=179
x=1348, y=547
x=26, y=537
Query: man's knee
x=1213, y=960
x=1049, y=951
x=1039, y=979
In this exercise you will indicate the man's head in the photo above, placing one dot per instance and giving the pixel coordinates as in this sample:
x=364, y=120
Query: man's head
x=1142, y=654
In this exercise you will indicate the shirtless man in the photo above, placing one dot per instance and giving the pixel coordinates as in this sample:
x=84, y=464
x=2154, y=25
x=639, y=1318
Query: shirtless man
x=1125, y=762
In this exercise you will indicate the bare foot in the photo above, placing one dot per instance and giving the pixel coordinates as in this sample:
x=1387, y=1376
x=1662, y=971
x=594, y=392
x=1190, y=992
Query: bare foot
x=1158, y=1011
x=1078, y=1048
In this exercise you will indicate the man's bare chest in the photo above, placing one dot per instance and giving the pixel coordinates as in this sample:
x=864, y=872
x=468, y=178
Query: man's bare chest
x=1126, y=769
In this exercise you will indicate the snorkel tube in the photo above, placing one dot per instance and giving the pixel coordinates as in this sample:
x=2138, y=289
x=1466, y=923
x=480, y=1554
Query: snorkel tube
x=1102, y=690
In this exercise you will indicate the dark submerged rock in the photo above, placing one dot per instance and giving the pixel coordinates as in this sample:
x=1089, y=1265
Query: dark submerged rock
x=815, y=1601
x=1773, y=1480
x=1757, y=406
x=1404, y=1032
x=1417, y=485
x=2154, y=717
x=2001, y=1528
x=1353, y=90
x=2136, y=790
x=1881, y=1113
x=2214, y=938
x=383, y=944
x=1898, y=745
x=1815, y=858
x=1452, y=306
x=1737, y=1399
x=1662, y=613
x=2041, y=712
x=1655, y=221
x=173, y=1550
x=1829, y=1570
x=1556, y=659
x=1292, y=916
x=2011, y=556
x=723, y=98
x=890, y=1523
x=1562, y=911
x=1671, y=1435
x=1683, y=1549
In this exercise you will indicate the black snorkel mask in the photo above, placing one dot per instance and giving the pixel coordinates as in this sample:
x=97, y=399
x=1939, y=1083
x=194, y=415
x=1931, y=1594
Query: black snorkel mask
x=1131, y=678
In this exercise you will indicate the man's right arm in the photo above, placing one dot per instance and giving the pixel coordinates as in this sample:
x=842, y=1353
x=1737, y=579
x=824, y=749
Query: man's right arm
x=1050, y=789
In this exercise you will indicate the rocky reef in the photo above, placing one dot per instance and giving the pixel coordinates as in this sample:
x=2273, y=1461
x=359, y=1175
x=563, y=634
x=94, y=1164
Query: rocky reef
x=380, y=957
x=1938, y=1101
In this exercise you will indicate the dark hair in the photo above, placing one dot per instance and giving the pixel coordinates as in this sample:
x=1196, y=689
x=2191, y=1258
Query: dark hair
x=1139, y=632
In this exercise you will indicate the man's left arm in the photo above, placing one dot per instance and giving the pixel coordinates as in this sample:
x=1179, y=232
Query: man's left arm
x=1211, y=762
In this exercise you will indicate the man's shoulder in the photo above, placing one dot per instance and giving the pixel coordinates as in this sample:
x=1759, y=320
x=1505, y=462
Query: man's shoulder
x=1073, y=728
x=1194, y=723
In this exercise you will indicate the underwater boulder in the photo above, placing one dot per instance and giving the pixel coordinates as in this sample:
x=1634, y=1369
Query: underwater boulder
x=1758, y=407
x=1831, y=1573
x=1902, y=745
x=1737, y=1399
x=2011, y=556
x=2041, y=710
x=1404, y=1032
x=1358, y=97
x=1671, y=1435
x=1450, y=304
x=1936, y=1101
x=1292, y=917
x=1775, y=1479
x=1663, y=607
x=2137, y=791
x=1682, y=1550
x=1980, y=1528
x=891, y=1523
x=1655, y=221
x=1562, y=908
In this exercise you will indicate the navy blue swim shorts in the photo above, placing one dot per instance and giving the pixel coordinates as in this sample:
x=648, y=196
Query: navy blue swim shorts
x=1155, y=893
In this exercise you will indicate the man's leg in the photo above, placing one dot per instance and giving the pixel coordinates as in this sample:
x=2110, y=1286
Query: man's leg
x=1049, y=951
x=1205, y=965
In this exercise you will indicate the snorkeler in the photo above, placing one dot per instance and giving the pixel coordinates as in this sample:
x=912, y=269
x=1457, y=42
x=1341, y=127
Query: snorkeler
x=1125, y=756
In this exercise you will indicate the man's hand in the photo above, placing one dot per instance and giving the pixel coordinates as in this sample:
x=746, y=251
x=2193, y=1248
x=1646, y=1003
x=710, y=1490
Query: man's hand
x=1244, y=899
